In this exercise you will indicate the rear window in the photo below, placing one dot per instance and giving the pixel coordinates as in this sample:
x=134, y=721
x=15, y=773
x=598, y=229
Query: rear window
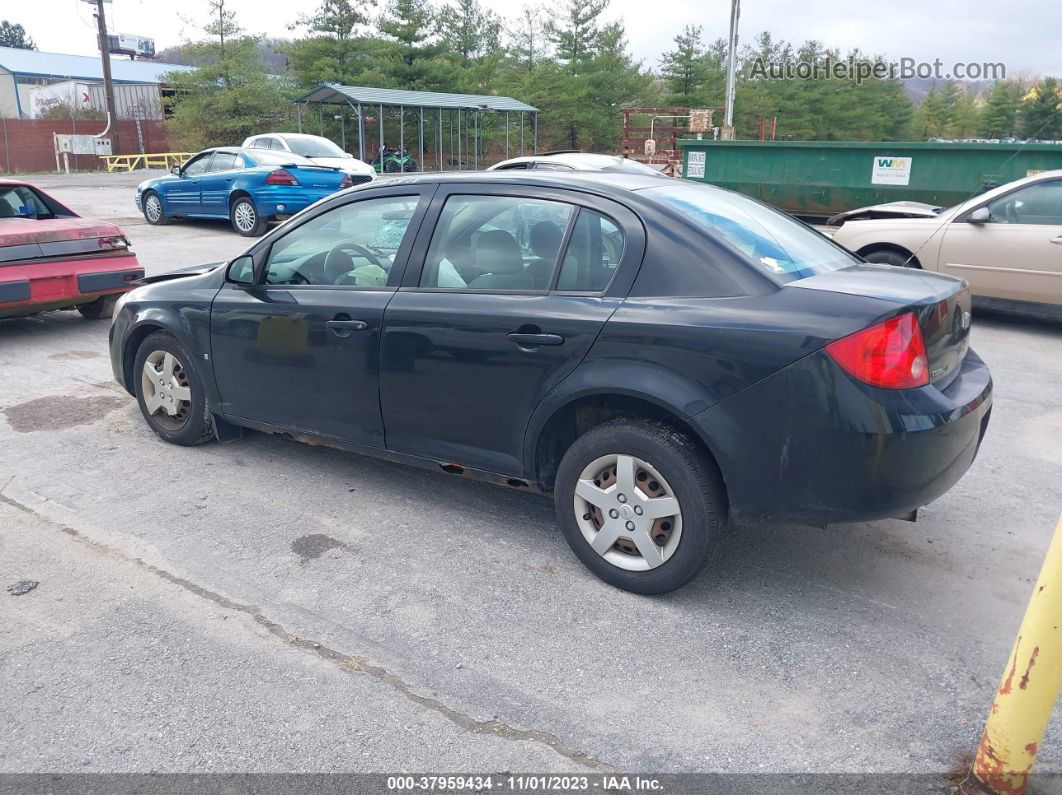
x=776, y=244
x=19, y=201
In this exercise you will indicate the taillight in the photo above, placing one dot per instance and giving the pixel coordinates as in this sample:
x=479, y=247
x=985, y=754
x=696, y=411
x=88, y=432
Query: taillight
x=348, y=182
x=890, y=355
x=280, y=176
x=113, y=242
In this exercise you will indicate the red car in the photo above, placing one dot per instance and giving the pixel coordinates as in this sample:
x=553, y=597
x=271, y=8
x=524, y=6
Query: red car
x=50, y=258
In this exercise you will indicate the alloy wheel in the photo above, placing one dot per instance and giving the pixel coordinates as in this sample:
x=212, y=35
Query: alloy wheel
x=167, y=393
x=245, y=217
x=627, y=512
x=153, y=208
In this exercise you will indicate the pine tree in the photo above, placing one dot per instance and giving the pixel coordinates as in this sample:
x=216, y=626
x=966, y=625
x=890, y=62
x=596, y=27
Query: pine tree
x=1000, y=115
x=529, y=42
x=1041, y=113
x=14, y=35
x=685, y=68
x=412, y=57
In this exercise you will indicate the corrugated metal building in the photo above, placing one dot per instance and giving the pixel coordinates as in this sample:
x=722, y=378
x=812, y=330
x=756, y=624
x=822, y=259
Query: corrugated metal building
x=138, y=84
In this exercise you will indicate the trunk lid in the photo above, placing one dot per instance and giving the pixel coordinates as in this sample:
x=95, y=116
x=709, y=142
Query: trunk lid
x=27, y=238
x=942, y=305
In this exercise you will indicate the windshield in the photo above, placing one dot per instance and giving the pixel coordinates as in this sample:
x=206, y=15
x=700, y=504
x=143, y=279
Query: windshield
x=778, y=245
x=314, y=147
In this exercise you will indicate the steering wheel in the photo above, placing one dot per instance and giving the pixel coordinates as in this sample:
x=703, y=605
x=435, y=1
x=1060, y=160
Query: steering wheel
x=360, y=250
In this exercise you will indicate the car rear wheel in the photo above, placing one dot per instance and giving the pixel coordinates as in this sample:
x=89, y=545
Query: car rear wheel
x=153, y=211
x=899, y=259
x=170, y=394
x=640, y=504
x=245, y=218
x=100, y=308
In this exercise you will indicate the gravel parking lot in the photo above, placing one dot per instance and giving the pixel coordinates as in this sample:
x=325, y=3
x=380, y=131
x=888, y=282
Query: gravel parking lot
x=268, y=606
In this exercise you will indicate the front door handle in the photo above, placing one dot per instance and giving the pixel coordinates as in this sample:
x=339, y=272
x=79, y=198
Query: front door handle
x=344, y=328
x=1057, y=239
x=534, y=340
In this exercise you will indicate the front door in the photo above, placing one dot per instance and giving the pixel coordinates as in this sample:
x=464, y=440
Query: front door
x=300, y=349
x=182, y=195
x=505, y=294
x=1017, y=254
x=216, y=184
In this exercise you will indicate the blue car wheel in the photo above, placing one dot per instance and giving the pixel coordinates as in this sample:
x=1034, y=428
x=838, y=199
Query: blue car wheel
x=245, y=218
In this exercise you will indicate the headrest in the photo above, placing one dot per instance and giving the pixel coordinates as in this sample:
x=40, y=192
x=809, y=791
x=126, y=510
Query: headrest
x=545, y=239
x=496, y=251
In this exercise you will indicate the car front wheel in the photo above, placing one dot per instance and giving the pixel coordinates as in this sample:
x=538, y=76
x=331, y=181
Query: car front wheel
x=245, y=218
x=170, y=394
x=153, y=210
x=640, y=504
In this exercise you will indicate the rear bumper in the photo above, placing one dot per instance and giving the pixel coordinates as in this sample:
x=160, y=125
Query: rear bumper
x=283, y=200
x=41, y=286
x=810, y=444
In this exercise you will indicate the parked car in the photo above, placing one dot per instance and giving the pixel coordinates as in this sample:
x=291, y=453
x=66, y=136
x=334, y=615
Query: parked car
x=1006, y=242
x=575, y=161
x=662, y=357
x=51, y=258
x=249, y=187
x=313, y=147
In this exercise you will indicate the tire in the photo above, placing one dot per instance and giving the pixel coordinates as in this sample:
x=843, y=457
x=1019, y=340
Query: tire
x=245, y=218
x=674, y=466
x=151, y=201
x=391, y=167
x=102, y=307
x=191, y=426
x=893, y=257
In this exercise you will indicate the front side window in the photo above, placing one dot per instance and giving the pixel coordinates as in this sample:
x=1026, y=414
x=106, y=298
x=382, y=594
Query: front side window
x=773, y=242
x=353, y=245
x=197, y=165
x=496, y=243
x=1039, y=204
x=593, y=254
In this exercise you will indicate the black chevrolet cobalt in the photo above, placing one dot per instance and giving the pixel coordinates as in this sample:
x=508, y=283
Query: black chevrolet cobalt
x=662, y=357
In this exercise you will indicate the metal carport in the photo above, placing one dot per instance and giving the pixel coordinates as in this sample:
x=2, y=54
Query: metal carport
x=461, y=130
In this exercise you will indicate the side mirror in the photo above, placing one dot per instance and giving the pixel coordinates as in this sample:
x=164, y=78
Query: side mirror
x=241, y=271
x=175, y=170
x=980, y=216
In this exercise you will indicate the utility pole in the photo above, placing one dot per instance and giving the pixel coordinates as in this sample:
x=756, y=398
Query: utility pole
x=727, y=133
x=108, y=84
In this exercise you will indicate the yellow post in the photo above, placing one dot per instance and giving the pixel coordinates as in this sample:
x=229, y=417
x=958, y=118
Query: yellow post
x=1031, y=685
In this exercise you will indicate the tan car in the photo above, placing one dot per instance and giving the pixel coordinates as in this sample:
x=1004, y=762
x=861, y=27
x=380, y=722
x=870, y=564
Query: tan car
x=1007, y=242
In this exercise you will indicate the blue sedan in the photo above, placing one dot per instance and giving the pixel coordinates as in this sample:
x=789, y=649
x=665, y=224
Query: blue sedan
x=249, y=187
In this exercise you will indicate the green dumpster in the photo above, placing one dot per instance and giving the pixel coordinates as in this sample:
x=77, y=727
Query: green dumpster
x=820, y=178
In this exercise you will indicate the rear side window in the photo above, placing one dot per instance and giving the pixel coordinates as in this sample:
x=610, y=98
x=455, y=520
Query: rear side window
x=496, y=243
x=593, y=254
x=774, y=243
x=226, y=161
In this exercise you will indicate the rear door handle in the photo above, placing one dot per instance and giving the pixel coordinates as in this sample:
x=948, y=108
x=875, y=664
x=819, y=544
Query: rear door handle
x=344, y=328
x=534, y=340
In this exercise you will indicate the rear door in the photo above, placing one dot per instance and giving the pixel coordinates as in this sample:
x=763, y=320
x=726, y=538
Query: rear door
x=216, y=183
x=182, y=194
x=507, y=289
x=1017, y=254
x=300, y=349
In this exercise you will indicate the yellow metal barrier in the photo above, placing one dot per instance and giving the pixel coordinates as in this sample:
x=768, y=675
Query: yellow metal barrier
x=1031, y=684
x=133, y=162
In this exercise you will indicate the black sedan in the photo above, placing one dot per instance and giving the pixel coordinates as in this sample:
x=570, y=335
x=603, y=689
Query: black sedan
x=663, y=357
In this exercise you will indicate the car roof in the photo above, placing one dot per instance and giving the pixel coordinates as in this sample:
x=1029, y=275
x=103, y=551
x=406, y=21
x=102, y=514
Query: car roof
x=603, y=183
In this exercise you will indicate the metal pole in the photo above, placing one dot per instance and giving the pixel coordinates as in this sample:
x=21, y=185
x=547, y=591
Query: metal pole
x=439, y=151
x=361, y=134
x=1032, y=682
x=421, y=164
x=731, y=68
x=506, y=135
x=299, y=108
x=534, y=121
x=521, y=133
x=108, y=84
x=320, y=119
x=402, y=138
x=381, y=140
x=343, y=129
x=475, y=141
x=460, y=162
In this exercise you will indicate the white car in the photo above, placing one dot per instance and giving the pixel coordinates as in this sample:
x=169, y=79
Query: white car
x=314, y=147
x=575, y=161
x=1006, y=242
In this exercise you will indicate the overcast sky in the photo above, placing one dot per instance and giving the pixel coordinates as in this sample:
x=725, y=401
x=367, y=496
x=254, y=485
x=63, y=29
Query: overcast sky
x=1023, y=34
